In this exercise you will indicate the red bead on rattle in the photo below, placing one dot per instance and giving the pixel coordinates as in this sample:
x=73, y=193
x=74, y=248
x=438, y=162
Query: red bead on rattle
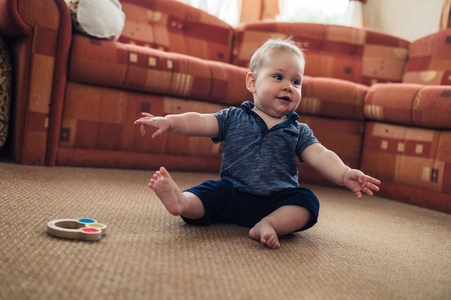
x=81, y=229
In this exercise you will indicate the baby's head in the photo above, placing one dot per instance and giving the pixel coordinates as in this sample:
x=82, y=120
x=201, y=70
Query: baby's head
x=275, y=77
x=266, y=50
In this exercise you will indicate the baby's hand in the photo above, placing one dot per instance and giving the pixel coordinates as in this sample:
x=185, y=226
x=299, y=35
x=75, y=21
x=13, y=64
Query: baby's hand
x=358, y=182
x=162, y=124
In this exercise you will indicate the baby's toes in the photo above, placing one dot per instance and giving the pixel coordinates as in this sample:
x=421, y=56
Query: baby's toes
x=274, y=243
x=270, y=241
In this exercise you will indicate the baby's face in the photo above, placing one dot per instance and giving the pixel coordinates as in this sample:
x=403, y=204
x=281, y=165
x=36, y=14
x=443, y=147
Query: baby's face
x=277, y=84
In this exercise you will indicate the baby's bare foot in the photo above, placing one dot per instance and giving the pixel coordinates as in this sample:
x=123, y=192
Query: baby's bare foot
x=264, y=232
x=168, y=191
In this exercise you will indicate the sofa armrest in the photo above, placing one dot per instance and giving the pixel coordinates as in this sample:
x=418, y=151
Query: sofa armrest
x=429, y=60
x=11, y=22
x=39, y=46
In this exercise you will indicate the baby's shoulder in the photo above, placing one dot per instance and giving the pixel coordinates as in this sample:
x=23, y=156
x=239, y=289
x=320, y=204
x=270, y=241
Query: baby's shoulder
x=230, y=114
x=302, y=126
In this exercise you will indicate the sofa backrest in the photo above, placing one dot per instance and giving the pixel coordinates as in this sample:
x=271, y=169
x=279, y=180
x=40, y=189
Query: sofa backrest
x=430, y=60
x=174, y=26
x=356, y=54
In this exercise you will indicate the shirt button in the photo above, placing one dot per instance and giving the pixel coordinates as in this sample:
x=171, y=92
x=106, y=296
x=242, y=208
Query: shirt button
x=267, y=134
x=258, y=119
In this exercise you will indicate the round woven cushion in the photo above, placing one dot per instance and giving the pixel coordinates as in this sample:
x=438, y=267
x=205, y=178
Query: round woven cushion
x=102, y=19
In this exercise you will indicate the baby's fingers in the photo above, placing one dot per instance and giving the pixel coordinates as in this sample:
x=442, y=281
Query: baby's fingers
x=147, y=115
x=371, y=184
x=369, y=188
x=373, y=187
x=368, y=191
x=141, y=121
x=143, y=129
x=373, y=180
x=157, y=133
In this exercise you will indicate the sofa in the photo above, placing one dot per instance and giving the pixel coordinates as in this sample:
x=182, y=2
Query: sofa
x=380, y=102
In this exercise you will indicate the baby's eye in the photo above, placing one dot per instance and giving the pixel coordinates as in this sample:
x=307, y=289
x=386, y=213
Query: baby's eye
x=278, y=77
x=296, y=82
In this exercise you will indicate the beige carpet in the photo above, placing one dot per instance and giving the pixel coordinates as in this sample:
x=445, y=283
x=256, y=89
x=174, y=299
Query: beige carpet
x=360, y=249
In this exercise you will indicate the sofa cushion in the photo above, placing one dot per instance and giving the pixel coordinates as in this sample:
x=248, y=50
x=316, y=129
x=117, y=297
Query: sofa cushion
x=173, y=26
x=101, y=119
x=411, y=156
x=410, y=104
x=334, y=98
x=355, y=54
x=430, y=60
x=138, y=68
x=97, y=18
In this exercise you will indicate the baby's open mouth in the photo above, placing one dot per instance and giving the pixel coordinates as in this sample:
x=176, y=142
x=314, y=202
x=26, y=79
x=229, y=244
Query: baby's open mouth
x=284, y=99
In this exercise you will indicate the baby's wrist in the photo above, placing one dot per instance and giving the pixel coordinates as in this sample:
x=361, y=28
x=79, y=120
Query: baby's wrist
x=168, y=122
x=343, y=177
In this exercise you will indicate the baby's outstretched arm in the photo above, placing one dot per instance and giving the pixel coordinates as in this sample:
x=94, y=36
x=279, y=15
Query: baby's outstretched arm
x=328, y=164
x=188, y=124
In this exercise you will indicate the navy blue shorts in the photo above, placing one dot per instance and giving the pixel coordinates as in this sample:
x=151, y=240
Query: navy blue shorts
x=224, y=203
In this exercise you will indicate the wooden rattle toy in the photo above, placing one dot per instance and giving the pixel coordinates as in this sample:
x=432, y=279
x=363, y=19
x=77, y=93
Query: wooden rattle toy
x=81, y=229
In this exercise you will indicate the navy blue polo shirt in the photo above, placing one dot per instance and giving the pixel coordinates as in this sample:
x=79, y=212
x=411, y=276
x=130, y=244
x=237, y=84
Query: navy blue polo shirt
x=256, y=159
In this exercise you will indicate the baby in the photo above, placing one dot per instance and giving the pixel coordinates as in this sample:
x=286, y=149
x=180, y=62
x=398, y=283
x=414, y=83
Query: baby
x=259, y=177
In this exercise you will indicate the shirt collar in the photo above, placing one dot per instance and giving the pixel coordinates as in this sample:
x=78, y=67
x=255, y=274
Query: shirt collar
x=247, y=106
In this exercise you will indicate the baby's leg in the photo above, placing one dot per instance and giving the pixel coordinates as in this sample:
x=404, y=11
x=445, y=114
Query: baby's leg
x=176, y=202
x=286, y=219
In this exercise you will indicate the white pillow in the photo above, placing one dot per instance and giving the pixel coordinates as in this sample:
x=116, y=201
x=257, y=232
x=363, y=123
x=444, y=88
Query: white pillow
x=98, y=18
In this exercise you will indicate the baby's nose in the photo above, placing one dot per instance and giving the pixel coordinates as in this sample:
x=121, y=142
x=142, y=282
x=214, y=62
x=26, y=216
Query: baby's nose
x=287, y=87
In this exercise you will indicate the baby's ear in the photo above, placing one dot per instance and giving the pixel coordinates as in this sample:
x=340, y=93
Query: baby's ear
x=250, y=82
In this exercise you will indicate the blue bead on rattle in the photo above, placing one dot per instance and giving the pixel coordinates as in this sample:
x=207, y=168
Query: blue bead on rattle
x=81, y=229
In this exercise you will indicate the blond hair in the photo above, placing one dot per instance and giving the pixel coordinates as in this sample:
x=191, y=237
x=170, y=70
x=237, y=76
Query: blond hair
x=275, y=44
